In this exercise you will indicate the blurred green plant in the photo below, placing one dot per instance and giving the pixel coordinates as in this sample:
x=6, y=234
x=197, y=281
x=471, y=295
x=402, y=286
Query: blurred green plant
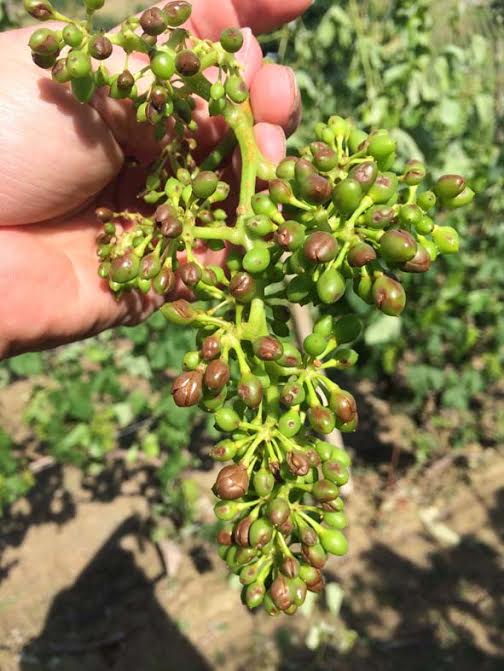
x=107, y=398
x=15, y=478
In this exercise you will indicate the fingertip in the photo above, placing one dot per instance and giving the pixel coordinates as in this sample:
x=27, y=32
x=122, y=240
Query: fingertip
x=275, y=97
x=271, y=141
x=250, y=55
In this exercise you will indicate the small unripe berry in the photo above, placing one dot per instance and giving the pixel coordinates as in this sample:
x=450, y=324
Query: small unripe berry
x=260, y=533
x=347, y=196
x=242, y=287
x=263, y=482
x=217, y=375
x=449, y=186
x=231, y=40
x=94, y=5
x=177, y=12
x=179, y=312
x=420, y=263
x=331, y=286
x=389, y=296
x=232, y=482
x=187, y=389
x=446, y=239
x=205, y=184
x=365, y=174
x=320, y=247
x=258, y=258
x=397, y=246
x=187, y=63
x=163, y=65
x=360, y=255
x=314, y=344
x=381, y=145
x=100, y=47
x=268, y=348
x=154, y=21
x=164, y=282
x=227, y=419
x=236, y=89
x=42, y=10
x=78, y=64
x=321, y=419
x=72, y=35
x=290, y=235
x=250, y=390
x=210, y=348
x=289, y=424
x=44, y=42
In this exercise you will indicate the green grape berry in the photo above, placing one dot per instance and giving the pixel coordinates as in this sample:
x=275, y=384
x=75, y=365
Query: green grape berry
x=389, y=296
x=177, y=12
x=73, y=35
x=163, y=65
x=44, y=42
x=42, y=10
x=231, y=40
x=257, y=259
x=397, y=246
x=381, y=145
x=205, y=184
x=78, y=64
x=331, y=286
x=347, y=196
x=94, y=5
x=236, y=89
x=227, y=419
x=314, y=344
x=446, y=239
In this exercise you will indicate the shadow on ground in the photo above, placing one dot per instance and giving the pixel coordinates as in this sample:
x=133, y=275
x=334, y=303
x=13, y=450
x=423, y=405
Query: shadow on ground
x=445, y=616
x=110, y=618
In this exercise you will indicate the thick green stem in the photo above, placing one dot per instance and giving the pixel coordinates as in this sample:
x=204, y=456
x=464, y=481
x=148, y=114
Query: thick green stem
x=240, y=120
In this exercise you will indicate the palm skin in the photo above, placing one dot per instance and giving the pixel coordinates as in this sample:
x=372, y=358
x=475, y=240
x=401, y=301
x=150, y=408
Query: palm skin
x=59, y=160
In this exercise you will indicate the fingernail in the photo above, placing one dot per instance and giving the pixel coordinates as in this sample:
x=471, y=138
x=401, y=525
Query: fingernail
x=295, y=115
x=244, y=54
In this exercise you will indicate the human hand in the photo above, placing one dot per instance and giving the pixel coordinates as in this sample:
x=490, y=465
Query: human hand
x=59, y=160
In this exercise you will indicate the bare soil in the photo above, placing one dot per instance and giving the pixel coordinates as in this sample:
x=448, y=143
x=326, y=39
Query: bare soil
x=84, y=589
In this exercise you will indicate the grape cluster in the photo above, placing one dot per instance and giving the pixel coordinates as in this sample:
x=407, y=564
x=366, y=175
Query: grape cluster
x=335, y=219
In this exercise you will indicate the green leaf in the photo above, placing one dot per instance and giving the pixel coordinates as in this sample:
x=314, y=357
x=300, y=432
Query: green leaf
x=27, y=365
x=383, y=330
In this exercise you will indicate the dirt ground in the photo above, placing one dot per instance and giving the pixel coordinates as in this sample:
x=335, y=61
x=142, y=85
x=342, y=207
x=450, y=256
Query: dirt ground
x=83, y=589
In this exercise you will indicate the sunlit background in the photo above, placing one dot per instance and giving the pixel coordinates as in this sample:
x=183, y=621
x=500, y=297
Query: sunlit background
x=106, y=552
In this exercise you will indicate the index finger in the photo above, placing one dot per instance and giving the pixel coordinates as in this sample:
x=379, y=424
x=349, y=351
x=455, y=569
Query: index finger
x=209, y=18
